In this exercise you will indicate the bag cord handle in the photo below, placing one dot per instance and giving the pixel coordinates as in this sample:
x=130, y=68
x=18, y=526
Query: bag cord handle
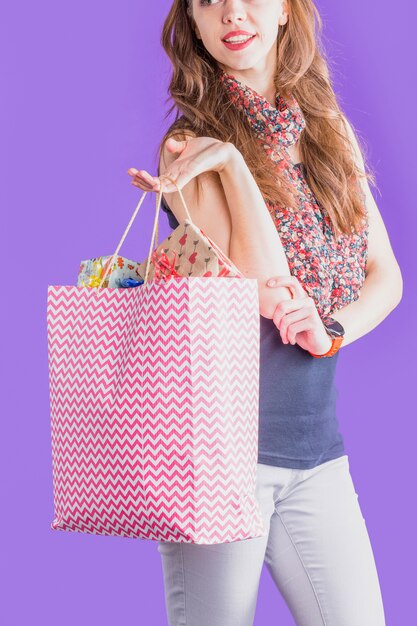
x=154, y=231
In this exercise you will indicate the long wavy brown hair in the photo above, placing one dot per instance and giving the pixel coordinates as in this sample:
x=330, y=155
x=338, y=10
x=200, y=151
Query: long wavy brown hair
x=204, y=108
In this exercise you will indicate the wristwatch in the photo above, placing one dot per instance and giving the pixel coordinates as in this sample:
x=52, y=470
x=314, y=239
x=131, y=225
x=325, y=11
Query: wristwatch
x=336, y=332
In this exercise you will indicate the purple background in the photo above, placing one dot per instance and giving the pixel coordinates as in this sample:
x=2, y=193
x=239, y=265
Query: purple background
x=84, y=88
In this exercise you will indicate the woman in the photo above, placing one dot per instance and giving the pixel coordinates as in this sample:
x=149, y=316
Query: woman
x=273, y=173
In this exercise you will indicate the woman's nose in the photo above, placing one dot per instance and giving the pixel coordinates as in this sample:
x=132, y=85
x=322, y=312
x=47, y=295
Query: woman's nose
x=234, y=10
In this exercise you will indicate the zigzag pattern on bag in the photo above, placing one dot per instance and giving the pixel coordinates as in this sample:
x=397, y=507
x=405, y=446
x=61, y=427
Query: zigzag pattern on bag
x=154, y=409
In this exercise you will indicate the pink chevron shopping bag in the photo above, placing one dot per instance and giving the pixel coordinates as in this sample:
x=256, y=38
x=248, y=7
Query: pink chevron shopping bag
x=154, y=395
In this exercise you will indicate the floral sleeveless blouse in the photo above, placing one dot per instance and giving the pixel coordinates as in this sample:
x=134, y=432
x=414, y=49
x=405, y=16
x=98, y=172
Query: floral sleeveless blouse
x=331, y=270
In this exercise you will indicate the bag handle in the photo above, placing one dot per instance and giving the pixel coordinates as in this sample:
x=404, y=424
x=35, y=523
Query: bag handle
x=154, y=231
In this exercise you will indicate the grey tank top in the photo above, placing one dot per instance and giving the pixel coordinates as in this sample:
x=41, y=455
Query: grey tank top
x=298, y=426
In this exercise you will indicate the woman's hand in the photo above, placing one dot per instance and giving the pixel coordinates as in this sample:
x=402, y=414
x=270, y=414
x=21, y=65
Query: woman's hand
x=196, y=155
x=298, y=320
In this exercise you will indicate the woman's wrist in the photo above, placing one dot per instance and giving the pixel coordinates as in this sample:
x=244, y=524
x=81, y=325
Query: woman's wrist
x=233, y=161
x=327, y=344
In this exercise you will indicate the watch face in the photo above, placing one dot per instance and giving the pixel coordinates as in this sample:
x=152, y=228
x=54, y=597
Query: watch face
x=333, y=327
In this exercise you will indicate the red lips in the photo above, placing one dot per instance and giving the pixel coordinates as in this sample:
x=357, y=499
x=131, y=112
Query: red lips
x=235, y=33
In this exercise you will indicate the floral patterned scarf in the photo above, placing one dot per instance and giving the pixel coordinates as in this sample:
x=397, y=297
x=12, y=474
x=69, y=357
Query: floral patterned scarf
x=332, y=271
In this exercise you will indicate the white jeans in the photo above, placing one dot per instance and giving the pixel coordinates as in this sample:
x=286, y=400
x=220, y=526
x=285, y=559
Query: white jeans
x=317, y=551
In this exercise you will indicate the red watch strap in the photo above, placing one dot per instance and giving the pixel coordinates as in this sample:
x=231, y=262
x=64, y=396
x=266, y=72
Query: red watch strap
x=336, y=343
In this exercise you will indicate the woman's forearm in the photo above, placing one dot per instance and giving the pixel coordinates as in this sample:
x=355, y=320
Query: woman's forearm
x=255, y=245
x=380, y=294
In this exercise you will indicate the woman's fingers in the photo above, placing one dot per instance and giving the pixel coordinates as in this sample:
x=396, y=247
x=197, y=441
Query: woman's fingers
x=141, y=175
x=139, y=182
x=291, y=282
x=143, y=186
x=143, y=180
x=286, y=326
x=284, y=308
